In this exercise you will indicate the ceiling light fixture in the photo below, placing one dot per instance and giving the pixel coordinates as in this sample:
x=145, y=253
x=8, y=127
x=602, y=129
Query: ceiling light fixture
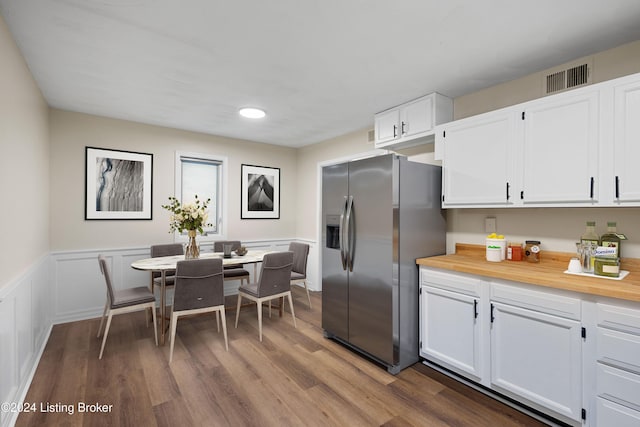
x=252, y=113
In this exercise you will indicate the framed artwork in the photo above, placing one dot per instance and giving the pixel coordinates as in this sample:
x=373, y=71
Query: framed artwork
x=260, y=192
x=118, y=184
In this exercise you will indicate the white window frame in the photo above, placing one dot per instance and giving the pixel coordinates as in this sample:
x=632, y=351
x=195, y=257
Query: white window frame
x=222, y=198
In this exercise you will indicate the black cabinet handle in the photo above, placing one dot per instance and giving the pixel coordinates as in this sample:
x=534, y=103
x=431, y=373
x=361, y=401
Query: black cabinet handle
x=402, y=131
x=508, y=195
x=475, y=308
x=591, y=188
x=492, y=316
x=617, y=187
x=395, y=130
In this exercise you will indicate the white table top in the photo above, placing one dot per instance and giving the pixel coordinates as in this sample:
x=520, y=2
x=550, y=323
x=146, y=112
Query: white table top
x=170, y=262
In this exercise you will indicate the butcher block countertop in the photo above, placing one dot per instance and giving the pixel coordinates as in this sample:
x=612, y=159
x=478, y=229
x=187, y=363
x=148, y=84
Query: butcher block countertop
x=548, y=272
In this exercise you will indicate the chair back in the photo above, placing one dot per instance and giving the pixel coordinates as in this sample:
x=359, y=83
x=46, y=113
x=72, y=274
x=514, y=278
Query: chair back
x=275, y=276
x=165, y=250
x=104, y=269
x=199, y=283
x=300, y=255
x=219, y=245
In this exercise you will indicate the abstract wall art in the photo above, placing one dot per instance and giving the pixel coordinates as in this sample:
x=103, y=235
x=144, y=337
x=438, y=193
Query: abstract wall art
x=117, y=184
x=260, y=192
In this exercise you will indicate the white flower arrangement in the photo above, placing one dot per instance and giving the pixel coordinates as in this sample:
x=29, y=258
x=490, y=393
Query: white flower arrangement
x=188, y=216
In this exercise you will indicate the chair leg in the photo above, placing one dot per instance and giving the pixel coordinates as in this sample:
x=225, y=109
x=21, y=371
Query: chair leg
x=106, y=332
x=308, y=296
x=155, y=323
x=174, y=324
x=269, y=309
x=218, y=320
x=224, y=327
x=104, y=313
x=259, y=305
x=292, y=313
x=238, y=309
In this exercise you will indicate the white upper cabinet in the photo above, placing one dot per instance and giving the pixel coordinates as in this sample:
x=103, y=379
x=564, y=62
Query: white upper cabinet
x=412, y=123
x=560, y=149
x=478, y=156
x=576, y=148
x=626, y=180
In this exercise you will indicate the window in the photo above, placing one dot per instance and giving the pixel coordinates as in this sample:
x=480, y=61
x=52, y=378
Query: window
x=203, y=175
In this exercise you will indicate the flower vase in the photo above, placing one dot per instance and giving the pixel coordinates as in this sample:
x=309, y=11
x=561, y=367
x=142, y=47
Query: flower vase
x=191, y=251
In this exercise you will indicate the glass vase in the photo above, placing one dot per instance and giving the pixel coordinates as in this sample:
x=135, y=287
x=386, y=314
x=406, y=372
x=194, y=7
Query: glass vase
x=191, y=250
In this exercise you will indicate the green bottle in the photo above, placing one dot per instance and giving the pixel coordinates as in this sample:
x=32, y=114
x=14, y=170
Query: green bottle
x=590, y=234
x=611, y=239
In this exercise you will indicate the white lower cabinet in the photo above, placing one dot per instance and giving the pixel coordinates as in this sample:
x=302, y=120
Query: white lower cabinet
x=618, y=365
x=519, y=341
x=537, y=356
x=451, y=330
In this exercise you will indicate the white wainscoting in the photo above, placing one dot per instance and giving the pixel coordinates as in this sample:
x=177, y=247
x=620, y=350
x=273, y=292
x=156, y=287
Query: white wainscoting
x=67, y=286
x=79, y=290
x=25, y=324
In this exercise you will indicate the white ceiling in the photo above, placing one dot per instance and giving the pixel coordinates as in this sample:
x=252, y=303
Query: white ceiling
x=320, y=68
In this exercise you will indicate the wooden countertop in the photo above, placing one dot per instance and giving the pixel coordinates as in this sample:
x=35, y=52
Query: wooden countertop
x=548, y=272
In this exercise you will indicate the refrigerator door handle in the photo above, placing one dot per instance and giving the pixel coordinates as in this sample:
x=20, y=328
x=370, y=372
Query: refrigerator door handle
x=343, y=255
x=349, y=244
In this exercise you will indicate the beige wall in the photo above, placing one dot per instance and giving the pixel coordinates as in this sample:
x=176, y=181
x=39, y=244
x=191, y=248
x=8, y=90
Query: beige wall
x=607, y=65
x=24, y=164
x=71, y=132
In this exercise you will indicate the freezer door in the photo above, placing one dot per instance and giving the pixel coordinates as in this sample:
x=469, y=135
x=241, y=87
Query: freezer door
x=373, y=287
x=335, y=296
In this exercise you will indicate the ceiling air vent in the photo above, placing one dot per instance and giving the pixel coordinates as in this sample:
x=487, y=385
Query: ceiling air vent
x=568, y=78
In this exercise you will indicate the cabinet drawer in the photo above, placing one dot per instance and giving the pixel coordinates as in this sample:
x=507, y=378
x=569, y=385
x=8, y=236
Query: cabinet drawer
x=619, y=349
x=612, y=414
x=620, y=318
x=452, y=282
x=620, y=386
x=542, y=301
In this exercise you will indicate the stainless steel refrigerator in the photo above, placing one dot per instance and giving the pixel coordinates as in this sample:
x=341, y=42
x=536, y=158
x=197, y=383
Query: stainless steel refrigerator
x=379, y=215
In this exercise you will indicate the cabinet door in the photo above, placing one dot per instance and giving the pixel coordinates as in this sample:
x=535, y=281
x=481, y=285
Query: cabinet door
x=416, y=117
x=538, y=357
x=627, y=143
x=386, y=126
x=450, y=330
x=561, y=150
x=478, y=160
x=612, y=414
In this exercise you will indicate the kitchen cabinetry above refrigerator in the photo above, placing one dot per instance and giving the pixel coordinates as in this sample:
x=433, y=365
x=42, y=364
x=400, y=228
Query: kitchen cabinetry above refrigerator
x=412, y=123
x=576, y=148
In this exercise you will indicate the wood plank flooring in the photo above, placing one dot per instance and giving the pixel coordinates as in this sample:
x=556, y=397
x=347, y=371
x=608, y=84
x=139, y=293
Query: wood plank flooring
x=295, y=377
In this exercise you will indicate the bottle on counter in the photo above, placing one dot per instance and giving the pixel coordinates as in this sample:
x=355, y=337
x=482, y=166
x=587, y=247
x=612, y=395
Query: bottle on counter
x=589, y=239
x=611, y=239
x=590, y=235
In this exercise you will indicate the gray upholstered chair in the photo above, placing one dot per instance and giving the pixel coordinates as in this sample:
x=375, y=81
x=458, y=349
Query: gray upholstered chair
x=232, y=272
x=123, y=301
x=274, y=282
x=165, y=250
x=299, y=269
x=199, y=288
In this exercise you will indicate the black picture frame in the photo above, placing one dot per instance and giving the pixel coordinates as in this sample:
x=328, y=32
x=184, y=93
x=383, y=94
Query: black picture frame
x=260, y=188
x=118, y=184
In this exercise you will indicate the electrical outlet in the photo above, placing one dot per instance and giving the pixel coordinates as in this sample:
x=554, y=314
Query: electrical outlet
x=490, y=225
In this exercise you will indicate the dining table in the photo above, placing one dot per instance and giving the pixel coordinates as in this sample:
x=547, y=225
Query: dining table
x=168, y=263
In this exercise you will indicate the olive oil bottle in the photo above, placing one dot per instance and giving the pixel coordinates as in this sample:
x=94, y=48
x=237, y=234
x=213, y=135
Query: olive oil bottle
x=590, y=235
x=612, y=239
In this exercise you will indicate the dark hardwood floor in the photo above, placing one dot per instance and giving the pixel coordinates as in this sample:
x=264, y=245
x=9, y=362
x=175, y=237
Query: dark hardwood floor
x=295, y=377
